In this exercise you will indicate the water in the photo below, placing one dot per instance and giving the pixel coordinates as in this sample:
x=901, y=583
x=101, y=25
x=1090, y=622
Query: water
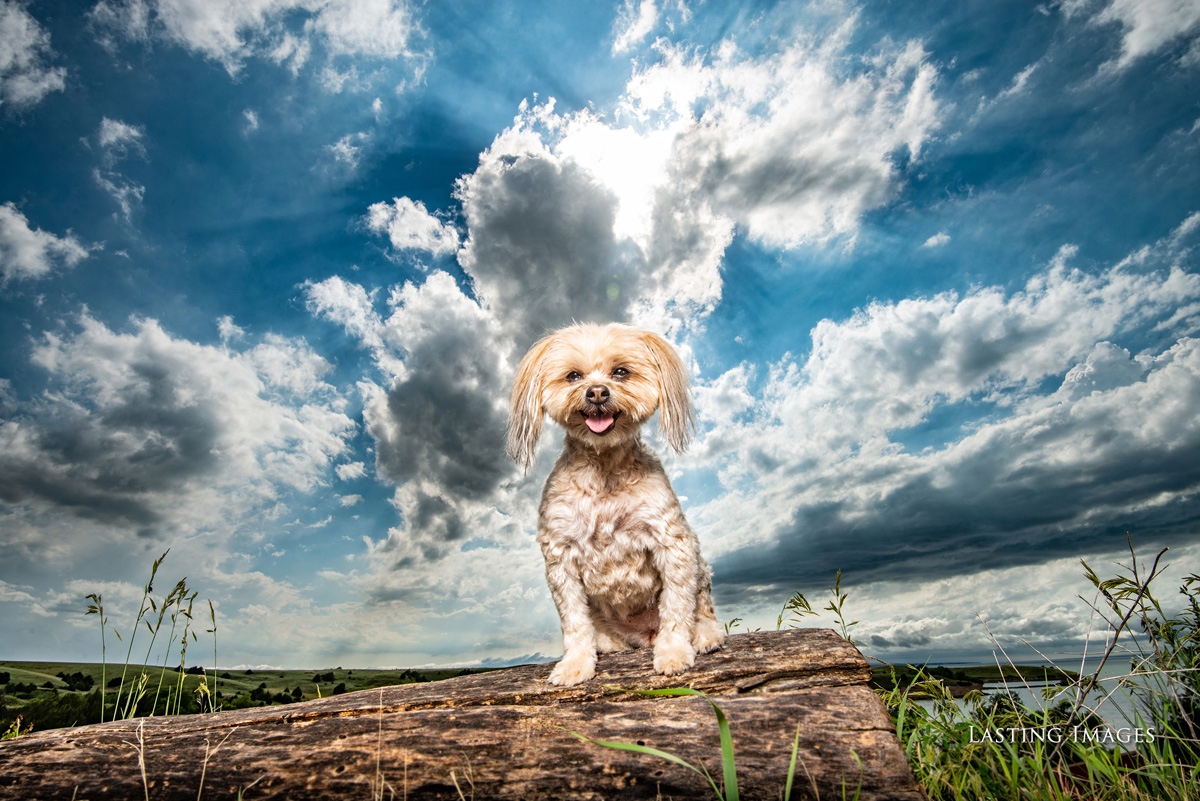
x=1125, y=716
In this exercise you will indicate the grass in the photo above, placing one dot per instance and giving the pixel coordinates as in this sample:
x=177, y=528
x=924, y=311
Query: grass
x=728, y=791
x=48, y=695
x=957, y=751
x=995, y=748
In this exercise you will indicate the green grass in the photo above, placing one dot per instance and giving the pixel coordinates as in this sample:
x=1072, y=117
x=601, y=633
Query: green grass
x=40, y=694
x=995, y=748
x=237, y=686
x=944, y=741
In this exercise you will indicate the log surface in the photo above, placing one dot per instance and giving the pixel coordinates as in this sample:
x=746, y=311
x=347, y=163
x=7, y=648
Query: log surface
x=502, y=735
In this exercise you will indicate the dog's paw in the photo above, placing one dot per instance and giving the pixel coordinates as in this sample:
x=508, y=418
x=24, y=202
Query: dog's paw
x=572, y=671
x=670, y=659
x=708, y=637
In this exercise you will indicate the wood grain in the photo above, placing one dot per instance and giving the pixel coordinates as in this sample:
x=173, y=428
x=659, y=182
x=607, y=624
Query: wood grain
x=503, y=735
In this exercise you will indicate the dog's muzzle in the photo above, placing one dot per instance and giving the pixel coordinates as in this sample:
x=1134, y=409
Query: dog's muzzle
x=598, y=411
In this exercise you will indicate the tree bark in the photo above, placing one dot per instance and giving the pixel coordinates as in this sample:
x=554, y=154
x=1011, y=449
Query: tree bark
x=504, y=735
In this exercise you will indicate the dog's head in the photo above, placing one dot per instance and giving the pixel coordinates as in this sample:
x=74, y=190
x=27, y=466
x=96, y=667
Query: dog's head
x=600, y=383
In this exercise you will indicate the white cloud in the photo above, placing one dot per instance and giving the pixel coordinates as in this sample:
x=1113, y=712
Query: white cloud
x=288, y=366
x=25, y=76
x=231, y=31
x=251, y=117
x=1147, y=26
x=10, y=593
x=229, y=330
x=119, y=141
x=349, y=500
x=353, y=308
x=823, y=461
x=374, y=28
x=634, y=23
x=937, y=240
x=127, y=193
x=625, y=219
x=788, y=145
x=31, y=253
x=409, y=226
x=346, y=150
x=351, y=470
x=142, y=431
x=117, y=137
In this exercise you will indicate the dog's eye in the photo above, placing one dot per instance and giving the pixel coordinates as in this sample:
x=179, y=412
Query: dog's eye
x=573, y=376
x=620, y=372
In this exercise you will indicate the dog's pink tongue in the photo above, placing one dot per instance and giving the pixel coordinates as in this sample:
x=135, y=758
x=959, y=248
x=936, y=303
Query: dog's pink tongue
x=599, y=424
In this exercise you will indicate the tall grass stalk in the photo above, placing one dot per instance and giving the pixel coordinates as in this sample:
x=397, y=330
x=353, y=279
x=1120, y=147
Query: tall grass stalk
x=212, y=616
x=177, y=609
x=96, y=607
x=953, y=760
x=133, y=635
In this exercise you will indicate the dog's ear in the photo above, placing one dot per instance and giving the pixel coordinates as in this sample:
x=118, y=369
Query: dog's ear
x=525, y=405
x=675, y=405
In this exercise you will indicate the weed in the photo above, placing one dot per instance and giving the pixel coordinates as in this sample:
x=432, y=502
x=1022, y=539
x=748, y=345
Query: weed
x=1059, y=753
x=14, y=730
x=729, y=768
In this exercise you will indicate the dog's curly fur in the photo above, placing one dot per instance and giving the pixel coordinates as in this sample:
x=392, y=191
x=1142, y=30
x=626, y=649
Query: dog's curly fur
x=622, y=563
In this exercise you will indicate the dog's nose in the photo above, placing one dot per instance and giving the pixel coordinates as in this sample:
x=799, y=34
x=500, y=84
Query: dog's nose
x=597, y=394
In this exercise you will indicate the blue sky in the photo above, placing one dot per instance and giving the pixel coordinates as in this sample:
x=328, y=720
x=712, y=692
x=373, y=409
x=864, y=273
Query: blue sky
x=266, y=269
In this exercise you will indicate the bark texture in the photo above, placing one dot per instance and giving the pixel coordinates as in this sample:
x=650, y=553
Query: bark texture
x=502, y=735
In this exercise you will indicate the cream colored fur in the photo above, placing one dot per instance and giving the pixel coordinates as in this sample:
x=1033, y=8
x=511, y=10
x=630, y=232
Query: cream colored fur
x=623, y=566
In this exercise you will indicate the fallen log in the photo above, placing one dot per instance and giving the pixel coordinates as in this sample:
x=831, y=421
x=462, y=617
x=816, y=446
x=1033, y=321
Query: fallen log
x=503, y=735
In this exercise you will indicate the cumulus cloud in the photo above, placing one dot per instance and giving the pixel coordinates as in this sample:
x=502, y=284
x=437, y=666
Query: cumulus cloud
x=375, y=28
x=625, y=218
x=231, y=31
x=937, y=240
x=146, y=431
x=535, y=219
x=351, y=470
x=837, y=464
x=409, y=226
x=789, y=145
x=438, y=424
x=25, y=55
x=31, y=253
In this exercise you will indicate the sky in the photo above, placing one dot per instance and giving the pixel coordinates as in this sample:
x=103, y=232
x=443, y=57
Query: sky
x=267, y=268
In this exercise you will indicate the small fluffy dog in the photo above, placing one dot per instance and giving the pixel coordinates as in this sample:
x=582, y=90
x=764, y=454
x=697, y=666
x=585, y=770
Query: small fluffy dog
x=623, y=566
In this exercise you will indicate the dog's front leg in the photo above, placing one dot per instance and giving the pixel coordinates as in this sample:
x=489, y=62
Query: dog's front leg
x=673, y=649
x=579, y=633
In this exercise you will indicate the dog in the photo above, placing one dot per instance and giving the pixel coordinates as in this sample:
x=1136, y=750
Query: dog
x=624, y=567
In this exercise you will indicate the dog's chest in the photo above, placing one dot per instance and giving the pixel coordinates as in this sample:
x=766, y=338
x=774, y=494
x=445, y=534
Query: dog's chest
x=616, y=544
x=611, y=533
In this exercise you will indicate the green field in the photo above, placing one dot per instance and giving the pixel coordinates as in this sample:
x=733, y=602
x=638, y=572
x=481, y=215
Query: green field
x=55, y=694
x=960, y=680
x=52, y=694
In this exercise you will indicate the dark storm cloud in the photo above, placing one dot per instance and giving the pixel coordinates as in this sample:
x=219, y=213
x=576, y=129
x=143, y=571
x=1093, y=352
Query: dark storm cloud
x=112, y=464
x=134, y=425
x=1076, y=486
x=541, y=249
x=441, y=421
